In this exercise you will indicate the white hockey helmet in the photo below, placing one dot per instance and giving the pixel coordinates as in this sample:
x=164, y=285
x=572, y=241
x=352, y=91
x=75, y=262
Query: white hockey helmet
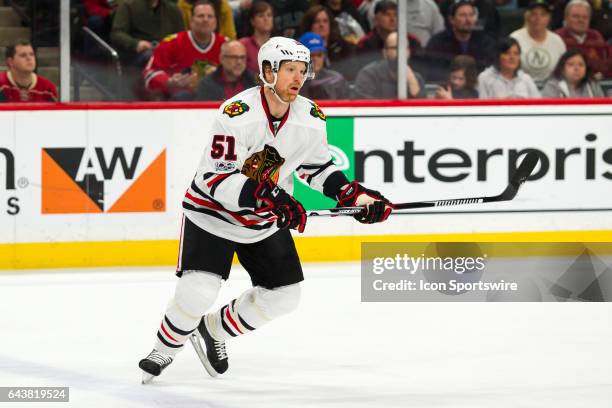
x=279, y=49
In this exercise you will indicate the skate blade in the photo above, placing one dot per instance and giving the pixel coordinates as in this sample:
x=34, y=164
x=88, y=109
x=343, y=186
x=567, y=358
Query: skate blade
x=197, y=346
x=147, y=378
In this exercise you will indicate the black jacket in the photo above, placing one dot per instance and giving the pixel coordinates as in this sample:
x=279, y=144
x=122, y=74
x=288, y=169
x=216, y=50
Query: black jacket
x=443, y=47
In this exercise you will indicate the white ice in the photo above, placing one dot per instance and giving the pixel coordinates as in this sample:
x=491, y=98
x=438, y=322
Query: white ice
x=87, y=329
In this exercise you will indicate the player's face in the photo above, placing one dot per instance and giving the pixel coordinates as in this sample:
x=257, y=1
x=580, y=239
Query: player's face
x=320, y=25
x=538, y=19
x=510, y=60
x=577, y=20
x=24, y=60
x=574, y=69
x=290, y=79
x=203, y=20
x=264, y=21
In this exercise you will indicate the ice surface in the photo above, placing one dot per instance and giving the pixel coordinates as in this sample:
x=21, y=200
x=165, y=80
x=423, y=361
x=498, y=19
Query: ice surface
x=87, y=329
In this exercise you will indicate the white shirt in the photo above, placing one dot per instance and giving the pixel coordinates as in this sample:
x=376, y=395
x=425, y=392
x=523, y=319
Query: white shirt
x=423, y=20
x=241, y=128
x=539, y=59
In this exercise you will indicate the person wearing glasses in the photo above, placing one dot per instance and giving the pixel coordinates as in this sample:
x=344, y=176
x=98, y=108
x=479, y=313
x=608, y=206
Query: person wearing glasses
x=230, y=78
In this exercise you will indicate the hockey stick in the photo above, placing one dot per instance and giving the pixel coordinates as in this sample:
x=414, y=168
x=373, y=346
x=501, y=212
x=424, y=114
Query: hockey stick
x=523, y=171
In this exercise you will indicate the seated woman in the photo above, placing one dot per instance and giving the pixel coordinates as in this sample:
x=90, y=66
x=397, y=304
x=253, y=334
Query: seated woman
x=318, y=19
x=572, y=78
x=260, y=27
x=505, y=79
x=462, y=79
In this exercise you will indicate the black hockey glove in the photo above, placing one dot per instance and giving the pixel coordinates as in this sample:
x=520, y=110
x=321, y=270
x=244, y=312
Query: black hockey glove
x=377, y=208
x=290, y=212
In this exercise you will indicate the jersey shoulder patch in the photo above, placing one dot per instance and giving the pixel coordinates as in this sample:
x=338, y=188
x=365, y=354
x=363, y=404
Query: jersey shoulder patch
x=316, y=112
x=235, y=108
x=170, y=37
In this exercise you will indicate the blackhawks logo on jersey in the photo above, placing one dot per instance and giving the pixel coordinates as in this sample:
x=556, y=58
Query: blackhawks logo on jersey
x=235, y=108
x=317, y=112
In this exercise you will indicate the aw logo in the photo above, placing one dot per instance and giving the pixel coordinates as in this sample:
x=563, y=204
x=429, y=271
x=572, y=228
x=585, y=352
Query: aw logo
x=96, y=180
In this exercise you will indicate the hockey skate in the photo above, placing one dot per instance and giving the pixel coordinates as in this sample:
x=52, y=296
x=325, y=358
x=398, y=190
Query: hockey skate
x=153, y=364
x=214, y=359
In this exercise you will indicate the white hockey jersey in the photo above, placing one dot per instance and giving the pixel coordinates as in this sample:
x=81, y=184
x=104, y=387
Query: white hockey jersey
x=242, y=127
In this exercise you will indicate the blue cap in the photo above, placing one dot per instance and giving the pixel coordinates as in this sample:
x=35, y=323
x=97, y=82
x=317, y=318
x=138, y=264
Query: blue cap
x=313, y=42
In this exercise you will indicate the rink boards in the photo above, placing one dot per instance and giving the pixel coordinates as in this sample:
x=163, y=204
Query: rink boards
x=99, y=185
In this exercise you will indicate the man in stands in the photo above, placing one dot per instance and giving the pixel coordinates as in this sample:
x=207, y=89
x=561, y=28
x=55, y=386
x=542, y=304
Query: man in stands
x=138, y=25
x=577, y=34
x=540, y=47
x=378, y=79
x=20, y=83
x=460, y=39
x=230, y=78
x=181, y=60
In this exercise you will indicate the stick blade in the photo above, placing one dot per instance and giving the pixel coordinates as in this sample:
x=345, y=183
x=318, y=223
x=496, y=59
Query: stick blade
x=521, y=174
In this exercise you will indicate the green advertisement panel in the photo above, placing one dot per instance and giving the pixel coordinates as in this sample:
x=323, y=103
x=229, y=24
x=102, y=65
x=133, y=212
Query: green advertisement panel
x=340, y=137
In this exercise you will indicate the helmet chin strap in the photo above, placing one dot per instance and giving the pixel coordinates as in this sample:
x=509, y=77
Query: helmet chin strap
x=271, y=86
x=277, y=95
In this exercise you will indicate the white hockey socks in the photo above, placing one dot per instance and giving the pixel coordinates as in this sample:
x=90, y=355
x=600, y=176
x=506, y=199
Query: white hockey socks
x=251, y=310
x=195, y=293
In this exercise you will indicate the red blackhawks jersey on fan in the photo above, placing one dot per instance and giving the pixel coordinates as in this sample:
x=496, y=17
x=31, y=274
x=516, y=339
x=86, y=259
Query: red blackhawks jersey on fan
x=39, y=90
x=178, y=52
x=241, y=130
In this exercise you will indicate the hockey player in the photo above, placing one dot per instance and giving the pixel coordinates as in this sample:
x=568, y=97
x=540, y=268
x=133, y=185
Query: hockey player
x=240, y=202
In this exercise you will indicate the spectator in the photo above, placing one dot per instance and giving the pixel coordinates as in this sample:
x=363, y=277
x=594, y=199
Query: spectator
x=350, y=23
x=318, y=19
x=288, y=15
x=379, y=78
x=261, y=23
x=327, y=84
x=139, y=25
x=541, y=48
x=20, y=83
x=230, y=78
x=222, y=9
x=462, y=79
x=505, y=79
x=488, y=20
x=577, y=34
x=572, y=78
x=182, y=59
x=385, y=22
x=459, y=39
x=424, y=19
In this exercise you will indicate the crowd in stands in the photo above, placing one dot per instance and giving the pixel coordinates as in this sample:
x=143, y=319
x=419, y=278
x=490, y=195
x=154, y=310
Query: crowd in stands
x=457, y=49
